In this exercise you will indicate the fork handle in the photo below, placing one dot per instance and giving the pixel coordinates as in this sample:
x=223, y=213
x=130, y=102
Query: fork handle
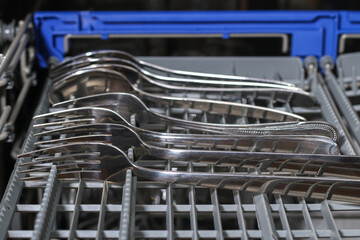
x=221, y=107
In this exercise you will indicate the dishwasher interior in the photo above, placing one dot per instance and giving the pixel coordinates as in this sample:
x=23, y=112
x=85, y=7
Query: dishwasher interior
x=145, y=209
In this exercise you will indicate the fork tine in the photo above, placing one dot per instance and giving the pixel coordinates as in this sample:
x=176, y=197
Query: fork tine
x=79, y=128
x=70, y=175
x=68, y=148
x=69, y=117
x=104, y=138
x=64, y=158
x=71, y=156
x=84, y=120
x=67, y=165
x=65, y=113
x=81, y=111
x=62, y=130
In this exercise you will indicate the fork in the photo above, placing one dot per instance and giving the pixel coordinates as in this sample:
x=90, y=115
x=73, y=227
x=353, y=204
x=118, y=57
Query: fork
x=229, y=90
x=124, y=138
x=115, y=63
x=84, y=115
x=115, y=102
x=141, y=65
x=129, y=106
x=104, y=162
x=95, y=81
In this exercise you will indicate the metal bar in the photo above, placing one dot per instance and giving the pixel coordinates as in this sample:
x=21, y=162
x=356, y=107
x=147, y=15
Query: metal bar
x=14, y=44
x=307, y=219
x=248, y=209
x=3, y=118
x=193, y=213
x=216, y=210
x=76, y=211
x=186, y=234
x=20, y=100
x=19, y=51
x=329, y=220
x=264, y=218
x=169, y=208
x=46, y=215
x=353, y=80
x=240, y=216
x=344, y=105
x=125, y=218
x=133, y=209
x=169, y=197
x=100, y=226
x=283, y=218
x=331, y=114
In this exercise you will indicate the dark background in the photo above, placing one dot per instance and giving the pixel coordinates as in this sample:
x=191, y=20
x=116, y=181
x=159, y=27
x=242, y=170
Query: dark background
x=17, y=9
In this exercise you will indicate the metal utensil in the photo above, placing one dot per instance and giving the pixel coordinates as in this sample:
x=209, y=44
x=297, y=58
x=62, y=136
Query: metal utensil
x=164, y=73
x=228, y=90
x=125, y=138
x=130, y=107
x=95, y=81
x=84, y=115
x=214, y=149
x=99, y=161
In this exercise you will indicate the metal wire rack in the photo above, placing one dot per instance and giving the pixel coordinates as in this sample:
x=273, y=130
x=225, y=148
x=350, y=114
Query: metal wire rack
x=149, y=210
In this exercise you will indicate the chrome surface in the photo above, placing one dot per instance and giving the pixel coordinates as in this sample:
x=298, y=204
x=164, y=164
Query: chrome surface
x=83, y=115
x=71, y=62
x=100, y=161
x=95, y=81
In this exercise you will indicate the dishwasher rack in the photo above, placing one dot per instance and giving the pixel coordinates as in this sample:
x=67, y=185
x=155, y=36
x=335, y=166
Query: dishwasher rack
x=345, y=89
x=62, y=209
x=149, y=210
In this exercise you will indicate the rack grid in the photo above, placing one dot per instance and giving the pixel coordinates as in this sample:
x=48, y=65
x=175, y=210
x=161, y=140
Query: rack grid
x=149, y=210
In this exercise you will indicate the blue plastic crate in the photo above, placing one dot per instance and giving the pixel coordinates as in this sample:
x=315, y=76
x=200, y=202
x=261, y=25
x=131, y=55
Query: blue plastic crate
x=311, y=32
